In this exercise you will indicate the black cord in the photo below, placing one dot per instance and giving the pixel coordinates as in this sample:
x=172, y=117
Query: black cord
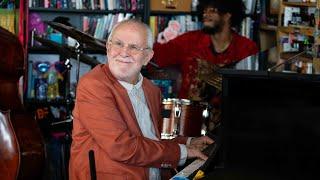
x=92, y=165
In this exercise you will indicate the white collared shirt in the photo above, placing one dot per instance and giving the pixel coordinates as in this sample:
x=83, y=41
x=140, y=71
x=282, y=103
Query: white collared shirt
x=143, y=117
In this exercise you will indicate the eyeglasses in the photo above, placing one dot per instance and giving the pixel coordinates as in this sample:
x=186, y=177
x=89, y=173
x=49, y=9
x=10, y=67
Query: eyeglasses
x=131, y=48
x=210, y=11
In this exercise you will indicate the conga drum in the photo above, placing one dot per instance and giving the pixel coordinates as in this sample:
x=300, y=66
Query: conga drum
x=182, y=117
x=193, y=115
x=171, y=112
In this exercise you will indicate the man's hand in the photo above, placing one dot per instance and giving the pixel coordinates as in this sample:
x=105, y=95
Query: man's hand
x=197, y=145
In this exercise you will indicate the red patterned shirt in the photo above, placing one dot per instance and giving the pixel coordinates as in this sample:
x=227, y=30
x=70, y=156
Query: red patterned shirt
x=186, y=48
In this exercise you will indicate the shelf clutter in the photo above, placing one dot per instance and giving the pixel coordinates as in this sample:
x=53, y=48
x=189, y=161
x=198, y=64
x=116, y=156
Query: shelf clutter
x=298, y=31
x=53, y=68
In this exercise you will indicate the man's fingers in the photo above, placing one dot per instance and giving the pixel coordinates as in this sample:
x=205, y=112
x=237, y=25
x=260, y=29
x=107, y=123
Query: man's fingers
x=194, y=153
x=208, y=140
x=201, y=140
x=202, y=156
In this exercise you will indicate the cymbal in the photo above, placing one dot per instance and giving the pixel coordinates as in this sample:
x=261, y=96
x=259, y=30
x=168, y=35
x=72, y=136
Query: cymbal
x=78, y=35
x=67, y=52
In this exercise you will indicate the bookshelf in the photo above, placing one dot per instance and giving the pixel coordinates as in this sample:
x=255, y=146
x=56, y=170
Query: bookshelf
x=297, y=30
x=145, y=10
x=52, y=61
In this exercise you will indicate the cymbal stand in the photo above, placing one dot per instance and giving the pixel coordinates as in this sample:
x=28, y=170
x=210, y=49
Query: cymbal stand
x=65, y=141
x=70, y=95
x=78, y=52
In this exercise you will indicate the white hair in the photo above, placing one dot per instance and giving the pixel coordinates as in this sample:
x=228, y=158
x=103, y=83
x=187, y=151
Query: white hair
x=150, y=38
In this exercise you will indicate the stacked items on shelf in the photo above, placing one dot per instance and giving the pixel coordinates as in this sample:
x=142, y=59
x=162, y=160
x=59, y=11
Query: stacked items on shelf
x=9, y=16
x=127, y=5
x=316, y=50
x=45, y=76
x=247, y=27
x=59, y=31
x=173, y=17
x=296, y=27
x=97, y=26
x=97, y=19
x=161, y=24
x=296, y=31
x=100, y=26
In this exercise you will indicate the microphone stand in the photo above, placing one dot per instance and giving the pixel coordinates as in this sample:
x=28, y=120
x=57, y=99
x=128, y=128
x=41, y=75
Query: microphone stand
x=290, y=60
x=78, y=52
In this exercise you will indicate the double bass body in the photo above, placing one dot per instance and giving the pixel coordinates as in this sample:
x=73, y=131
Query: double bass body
x=28, y=135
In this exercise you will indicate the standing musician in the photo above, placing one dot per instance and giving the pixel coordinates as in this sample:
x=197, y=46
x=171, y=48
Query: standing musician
x=217, y=43
x=117, y=114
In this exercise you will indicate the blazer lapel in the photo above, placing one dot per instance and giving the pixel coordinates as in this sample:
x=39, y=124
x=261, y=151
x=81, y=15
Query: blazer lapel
x=125, y=97
x=152, y=107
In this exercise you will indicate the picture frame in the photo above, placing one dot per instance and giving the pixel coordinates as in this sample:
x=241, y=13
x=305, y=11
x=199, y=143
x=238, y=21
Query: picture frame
x=274, y=7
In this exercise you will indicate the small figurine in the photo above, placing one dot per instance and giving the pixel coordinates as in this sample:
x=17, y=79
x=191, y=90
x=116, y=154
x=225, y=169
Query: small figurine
x=170, y=32
x=53, y=84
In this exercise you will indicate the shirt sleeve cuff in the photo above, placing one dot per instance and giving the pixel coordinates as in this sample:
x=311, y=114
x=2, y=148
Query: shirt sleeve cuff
x=183, y=154
x=189, y=140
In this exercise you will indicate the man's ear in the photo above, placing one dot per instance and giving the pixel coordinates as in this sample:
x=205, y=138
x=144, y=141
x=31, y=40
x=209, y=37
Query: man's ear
x=107, y=47
x=227, y=17
x=148, y=57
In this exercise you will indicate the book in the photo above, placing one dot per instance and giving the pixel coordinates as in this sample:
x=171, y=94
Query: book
x=7, y=20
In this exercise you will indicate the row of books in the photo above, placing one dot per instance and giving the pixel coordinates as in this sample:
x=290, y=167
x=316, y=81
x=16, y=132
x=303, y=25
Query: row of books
x=8, y=20
x=247, y=27
x=250, y=6
x=8, y=4
x=187, y=23
x=128, y=5
x=100, y=26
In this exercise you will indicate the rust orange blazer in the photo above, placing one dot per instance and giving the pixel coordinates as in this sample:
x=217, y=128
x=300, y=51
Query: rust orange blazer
x=104, y=121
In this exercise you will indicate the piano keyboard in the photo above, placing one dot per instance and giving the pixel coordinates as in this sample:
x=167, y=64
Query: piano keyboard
x=187, y=171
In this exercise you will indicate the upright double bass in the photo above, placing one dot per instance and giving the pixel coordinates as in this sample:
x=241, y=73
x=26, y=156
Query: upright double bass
x=27, y=132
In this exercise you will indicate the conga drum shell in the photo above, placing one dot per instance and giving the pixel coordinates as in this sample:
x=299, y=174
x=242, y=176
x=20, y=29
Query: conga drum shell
x=169, y=123
x=191, y=119
x=182, y=117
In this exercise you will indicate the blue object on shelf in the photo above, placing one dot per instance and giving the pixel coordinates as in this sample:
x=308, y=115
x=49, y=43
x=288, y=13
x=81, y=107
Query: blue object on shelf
x=56, y=37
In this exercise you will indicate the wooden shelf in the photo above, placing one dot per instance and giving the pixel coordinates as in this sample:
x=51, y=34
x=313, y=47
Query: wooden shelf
x=57, y=102
x=268, y=27
x=300, y=4
x=46, y=50
x=173, y=13
x=297, y=29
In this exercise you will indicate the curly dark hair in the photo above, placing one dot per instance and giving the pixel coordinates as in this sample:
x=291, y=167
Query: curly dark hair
x=235, y=7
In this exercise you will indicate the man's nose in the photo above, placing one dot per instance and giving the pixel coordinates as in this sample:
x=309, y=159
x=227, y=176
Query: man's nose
x=124, y=51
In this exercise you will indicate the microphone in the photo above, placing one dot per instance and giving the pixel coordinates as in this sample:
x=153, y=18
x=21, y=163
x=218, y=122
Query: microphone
x=92, y=165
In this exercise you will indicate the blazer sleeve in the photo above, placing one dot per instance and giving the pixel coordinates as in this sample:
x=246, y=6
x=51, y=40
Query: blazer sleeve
x=99, y=112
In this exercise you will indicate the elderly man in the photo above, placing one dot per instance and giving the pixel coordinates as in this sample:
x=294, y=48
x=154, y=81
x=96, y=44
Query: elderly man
x=117, y=113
